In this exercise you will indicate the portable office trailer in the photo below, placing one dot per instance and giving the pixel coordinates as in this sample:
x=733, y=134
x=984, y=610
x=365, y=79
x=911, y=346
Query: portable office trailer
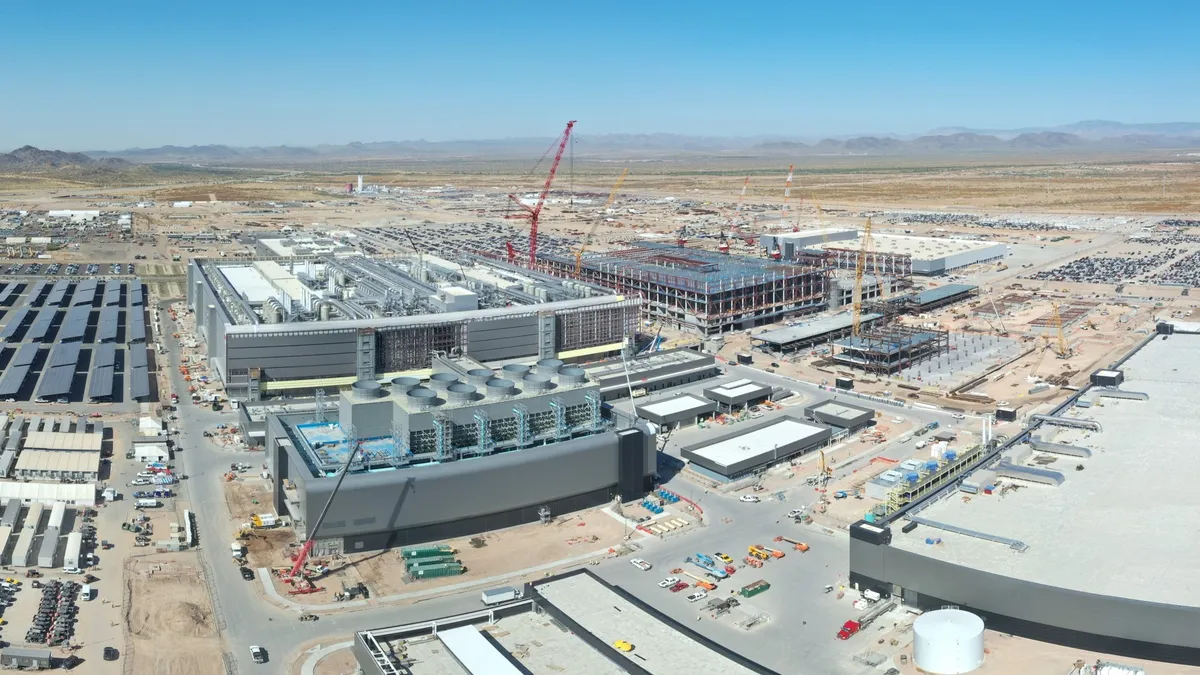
x=12, y=511
x=5, y=540
x=48, y=551
x=15, y=434
x=8, y=461
x=57, y=512
x=73, y=549
x=24, y=548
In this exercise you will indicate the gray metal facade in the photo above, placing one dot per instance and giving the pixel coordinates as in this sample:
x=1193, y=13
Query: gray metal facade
x=855, y=418
x=389, y=508
x=764, y=458
x=1038, y=611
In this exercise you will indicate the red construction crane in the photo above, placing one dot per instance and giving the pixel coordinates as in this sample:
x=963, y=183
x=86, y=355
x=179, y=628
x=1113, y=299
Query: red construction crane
x=512, y=252
x=723, y=247
x=532, y=213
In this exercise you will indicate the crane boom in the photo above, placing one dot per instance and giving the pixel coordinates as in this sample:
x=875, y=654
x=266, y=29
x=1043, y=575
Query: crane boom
x=1063, y=350
x=533, y=213
x=859, y=267
x=787, y=194
x=305, y=550
x=587, y=239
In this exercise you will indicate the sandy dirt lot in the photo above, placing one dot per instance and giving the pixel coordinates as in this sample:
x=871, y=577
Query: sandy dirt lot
x=170, y=619
x=341, y=662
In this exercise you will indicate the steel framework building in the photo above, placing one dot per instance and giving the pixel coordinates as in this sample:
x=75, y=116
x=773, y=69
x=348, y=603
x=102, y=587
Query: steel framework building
x=891, y=348
x=703, y=291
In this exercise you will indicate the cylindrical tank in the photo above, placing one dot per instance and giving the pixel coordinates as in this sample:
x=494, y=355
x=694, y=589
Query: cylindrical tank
x=401, y=385
x=536, y=382
x=548, y=366
x=420, y=398
x=442, y=381
x=460, y=393
x=498, y=386
x=367, y=389
x=572, y=375
x=948, y=642
x=325, y=312
x=515, y=370
x=478, y=376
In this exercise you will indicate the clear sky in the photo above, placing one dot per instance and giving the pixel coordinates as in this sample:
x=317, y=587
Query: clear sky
x=113, y=74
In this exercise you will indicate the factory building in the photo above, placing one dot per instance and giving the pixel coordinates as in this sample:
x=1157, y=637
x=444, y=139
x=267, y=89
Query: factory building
x=745, y=451
x=470, y=450
x=704, y=292
x=840, y=414
x=890, y=254
x=678, y=411
x=811, y=333
x=277, y=329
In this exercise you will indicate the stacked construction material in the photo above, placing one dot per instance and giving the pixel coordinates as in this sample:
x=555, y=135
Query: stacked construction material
x=430, y=561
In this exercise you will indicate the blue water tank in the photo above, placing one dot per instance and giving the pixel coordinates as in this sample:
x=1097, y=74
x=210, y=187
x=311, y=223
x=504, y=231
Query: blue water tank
x=912, y=476
x=931, y=465
x=950, y=455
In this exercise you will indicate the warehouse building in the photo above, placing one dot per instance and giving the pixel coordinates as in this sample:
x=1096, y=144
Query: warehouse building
x=791, y=244
x=470, y=450
x=932, y=299
x=810, y=333
x=647, y=373
x=929, y=256
x=1066, y=561
x=63, y=441
x=76, y=465
x=738, y=394
x=678, y=411
x=273, y=330
x=841, y=415
x=746, y=451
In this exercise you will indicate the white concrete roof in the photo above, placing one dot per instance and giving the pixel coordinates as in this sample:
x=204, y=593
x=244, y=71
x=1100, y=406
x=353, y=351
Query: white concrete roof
x=59, y=460
x=737, y=391
x=249, y=282
x=734, y=450
x=675, y=405
x=82, y=494
x=475, y=653
x=1108, y=373
x=920, y=248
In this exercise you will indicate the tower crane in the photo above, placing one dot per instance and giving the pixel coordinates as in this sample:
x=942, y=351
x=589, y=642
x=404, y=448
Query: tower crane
x=587, y=239
x=1063, y=351
x=533, y=213
x=735, y=224
x=787, y=194
x=723, y=246
x=859, y=267
x=681, y=237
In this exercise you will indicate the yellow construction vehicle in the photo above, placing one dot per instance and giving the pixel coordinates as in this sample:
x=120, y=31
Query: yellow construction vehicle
x=700, y=581
x=242, y=533
x=761, y=555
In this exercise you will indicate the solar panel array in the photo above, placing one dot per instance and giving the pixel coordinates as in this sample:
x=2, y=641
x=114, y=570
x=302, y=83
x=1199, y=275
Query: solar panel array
x=137, y=325
x=104, y=361
x=5, y=294
x=139, y=373
x=112, y=294
x=60, y=372
x=35, y=292
x=14, y=323
x=75, y=324
x=107, y=330
x=57, y=292
x=41, y=325
x=85, y=292
x=18, y=370
x=136, y=298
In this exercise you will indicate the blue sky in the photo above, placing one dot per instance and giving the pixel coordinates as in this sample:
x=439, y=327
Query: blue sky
x=81, y=74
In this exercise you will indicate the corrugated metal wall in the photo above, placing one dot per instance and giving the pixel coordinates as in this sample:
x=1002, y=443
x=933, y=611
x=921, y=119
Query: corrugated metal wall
x=503, y=338
x=294, y=356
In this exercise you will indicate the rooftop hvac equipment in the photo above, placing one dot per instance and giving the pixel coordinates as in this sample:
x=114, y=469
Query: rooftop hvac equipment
x=536, y=382
x=479, y=376
x=572, y=375
x=401, y=385
x=420, y=398
x=460, y=393
x=442, y=381
x=498, y=387
x=548, y=366
x=367, y=389
x=515, y=370
x=948, y=642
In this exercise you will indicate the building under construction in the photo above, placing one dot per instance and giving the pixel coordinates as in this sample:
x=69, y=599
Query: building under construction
x=705, y=292
x=890, y=347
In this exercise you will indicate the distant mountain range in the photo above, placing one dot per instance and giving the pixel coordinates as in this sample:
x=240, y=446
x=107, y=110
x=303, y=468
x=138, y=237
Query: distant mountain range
x=1081, y=137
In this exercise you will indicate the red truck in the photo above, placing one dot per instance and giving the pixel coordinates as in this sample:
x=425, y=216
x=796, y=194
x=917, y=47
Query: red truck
x=849, y=628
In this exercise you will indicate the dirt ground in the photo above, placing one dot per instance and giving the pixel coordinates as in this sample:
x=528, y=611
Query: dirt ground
x=171, y=621
x=247, y=495
x=341, y=662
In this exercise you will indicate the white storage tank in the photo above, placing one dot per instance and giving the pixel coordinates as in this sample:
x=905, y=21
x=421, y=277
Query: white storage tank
x=948, y=642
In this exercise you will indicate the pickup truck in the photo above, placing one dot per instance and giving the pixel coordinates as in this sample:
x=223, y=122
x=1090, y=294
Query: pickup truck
x=641, y=564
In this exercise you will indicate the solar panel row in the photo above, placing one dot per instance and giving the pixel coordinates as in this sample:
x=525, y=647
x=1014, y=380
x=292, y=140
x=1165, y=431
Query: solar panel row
x=104, y=355
x=36, y=291
x=136, y=298
x=137, y=358
x=13, y=379
x=41, y=325
x=107, y=330
x=137, y=325
x=57, y=292
x=24, y=356
x=85, y=292
x=65, y=354
x=7, y=292
x=139, y=373
x=75, y=324
x=56, y=382
x=112, y=294
x=14, y=323
x=101, y=384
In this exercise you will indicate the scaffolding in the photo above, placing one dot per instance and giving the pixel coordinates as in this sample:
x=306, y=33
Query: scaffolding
x=521, y=415
x=483, y=426
x=891, y=347
x=443, y=430
x=561, y=429
x=321, y=407
x=594, y=410
x=403, y=454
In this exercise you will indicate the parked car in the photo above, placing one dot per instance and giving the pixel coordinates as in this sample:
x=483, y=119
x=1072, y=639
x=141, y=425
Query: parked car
x=724, y=558
x=110, y=654
x=641, y=564
x=258, y=654
x=749, y=499
x=681, y=586
x=247, y=573
x=697, y=596
x=668, y=582
x=795, y=513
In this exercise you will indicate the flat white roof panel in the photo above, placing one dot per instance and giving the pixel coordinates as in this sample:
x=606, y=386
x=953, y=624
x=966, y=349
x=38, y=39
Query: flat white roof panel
x=734, y=450
x=249, y=282
x=738, y=391
x=474, y=653
x=675, y=405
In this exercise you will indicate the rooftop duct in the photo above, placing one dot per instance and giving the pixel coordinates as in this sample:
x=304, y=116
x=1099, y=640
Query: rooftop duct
x=548, y=366
x=536, y=382
x=367, y=389
x=421, y=398
x=401, y=385
x=478, y=376
x=498, y=386
x=460, y=393
x=515, y=370
x=572, y=375
x=442, y=381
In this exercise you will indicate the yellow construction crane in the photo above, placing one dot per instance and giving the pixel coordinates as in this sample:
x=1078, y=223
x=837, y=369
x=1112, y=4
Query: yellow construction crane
x=787, y=195
x=587, y=239
x=1063, y=352
x=859, y=267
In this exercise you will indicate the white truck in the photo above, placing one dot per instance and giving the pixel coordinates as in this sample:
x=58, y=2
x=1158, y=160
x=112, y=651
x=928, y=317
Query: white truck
x=495, y=596
x=236, y=549
x=146, y=504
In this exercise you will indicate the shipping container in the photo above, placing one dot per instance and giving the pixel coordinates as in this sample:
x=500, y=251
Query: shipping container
x=432, y=560
x=751, y=590
x=426, y=550
x=446, y=570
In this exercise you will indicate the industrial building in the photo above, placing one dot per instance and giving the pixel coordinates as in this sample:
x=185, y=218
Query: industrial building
x=1032, y=550
x=677, y=411
x=748, y=450
x=890, y=254
x=472, y=449
x=840, y=414
x=650, y=372
x=704, y=292
x=890, y=349
x=738, y=394
x=812, y=333
x=285, y=329
x=293, y=247
x=932, y=299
